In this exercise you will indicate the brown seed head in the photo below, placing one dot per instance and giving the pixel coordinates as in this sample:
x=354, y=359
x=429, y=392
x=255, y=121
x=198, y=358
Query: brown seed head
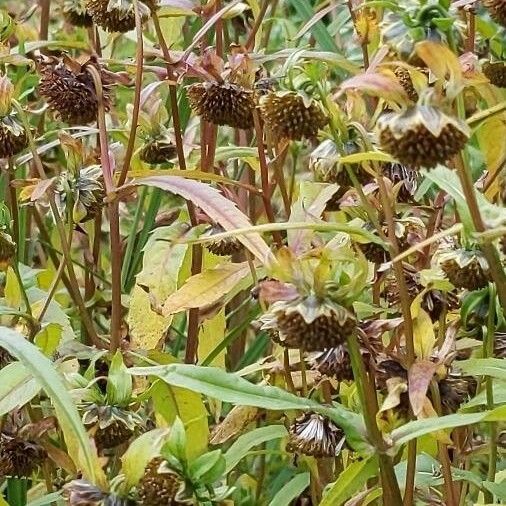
x=497, y=9
x=496, y=73
x=159, y=486
x=115, y=15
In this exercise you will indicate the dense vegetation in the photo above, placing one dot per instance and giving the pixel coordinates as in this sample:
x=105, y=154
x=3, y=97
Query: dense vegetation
x=252, y=252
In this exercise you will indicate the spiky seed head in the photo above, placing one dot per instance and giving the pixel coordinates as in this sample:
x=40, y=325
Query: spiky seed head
x=115, y=15
x=160, y=486
x=76, y=14
x=405, y=177
x=222, y=247
x=496, y=73
x=13, y=138
x=309, y=323
x=70, y=93
x=497, y=9
x=290, y=115
x=465, y=269
x=422, y=136
x=158, y=150
x=454, y=390
x=18, y=457
x=404, y=78
x=315, y=435
x=7, y=250
x=334, y=363
x=223, y=104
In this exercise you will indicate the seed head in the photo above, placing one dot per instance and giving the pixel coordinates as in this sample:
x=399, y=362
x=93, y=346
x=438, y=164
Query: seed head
x=404, y=78
x=223, y=104
x=465, y=269
x=158, y=150
x=497, y=9
x=76, y=14
x=290, y=115
x=18, y=457
x=496, y=73
x=115, y=15
x=422, y=136
x=335, y=363
x=160, y=486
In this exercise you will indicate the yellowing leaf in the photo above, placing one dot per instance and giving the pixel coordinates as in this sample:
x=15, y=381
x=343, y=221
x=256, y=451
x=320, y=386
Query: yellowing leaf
x=208, y=287
x=423, y=331
x=171, y=402
x=12, y=291
x=494, y=152
x=161, y=266
x=211, y=334
x=49, y=338
x=234, y=423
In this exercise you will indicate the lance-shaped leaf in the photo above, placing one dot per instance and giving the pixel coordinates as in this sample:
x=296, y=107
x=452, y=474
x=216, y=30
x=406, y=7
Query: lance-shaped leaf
x=378, y=85
x=17, y=387
x=419, y=376
x=216, y=206
x=230, y=387
x=42, y=369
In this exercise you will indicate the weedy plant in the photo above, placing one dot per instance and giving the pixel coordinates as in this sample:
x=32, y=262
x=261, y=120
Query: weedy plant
x=252, y=253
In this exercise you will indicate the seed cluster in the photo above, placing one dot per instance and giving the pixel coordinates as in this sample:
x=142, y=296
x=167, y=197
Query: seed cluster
x=157, y=151
x=119, y=18
x=112, y=435
x=497, y=9
x=13, y=138
x=158, y=488
x=76, y=14
x=335, y=363
x=290, y=116
x=223, y=104
x=406, y=82
x=19, y=457
x=71, y=95
x=470, y=276
x=496, y=73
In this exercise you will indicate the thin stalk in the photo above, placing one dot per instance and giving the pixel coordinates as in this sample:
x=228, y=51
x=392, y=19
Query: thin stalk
x=490, y=252
x=488, y=348
x=113, y=207
x=193, y=314
x=139, y=58
x=264, y=175
x=14, y=208
x=391, y=492
x=45, y=7
x=73, y=283
x=250, y=43
x=52, y=289
x=288, y=374
x=471, y=30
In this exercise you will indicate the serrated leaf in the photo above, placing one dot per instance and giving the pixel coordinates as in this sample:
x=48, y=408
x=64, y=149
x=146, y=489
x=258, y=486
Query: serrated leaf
x=208, y=287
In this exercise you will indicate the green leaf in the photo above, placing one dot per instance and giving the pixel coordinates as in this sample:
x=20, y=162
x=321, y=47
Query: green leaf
x=208, y=468
x=42, y=369
x=46, y=500
x=244, y=443
x=494, y=367
x=230, y=387
x=119, y=382
x=292, y=490
x=350, y=481
x=49, y=338
x=139, y=454
x=17, y=387
x=176, y=443
x=498, y=489
x=319, y=30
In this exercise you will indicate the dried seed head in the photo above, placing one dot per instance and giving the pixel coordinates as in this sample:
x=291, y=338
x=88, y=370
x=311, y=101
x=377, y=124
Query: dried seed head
x=19, y=458
x=223, y=104
x=422, y=136
x=387, y=369
x=158, y=150
x=82, y=493
x=76, y=14
x=115, y=15
x=309, y=323
x=70, y=91
x=86, y=190
x=315, y=435
x=111, y=425
x=454, y=390
x=405, y=177
x=404, y=78
x=497, y=9
x=160, y=486
x=290, y=115
x=495, y=72
x=7, y=250
x=222, y=247
x=465, y=269
x=13, y=138
x=335, y=363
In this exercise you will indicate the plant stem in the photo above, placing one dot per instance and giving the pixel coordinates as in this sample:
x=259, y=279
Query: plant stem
x=250, y=43
x=113, y=207
x=488, y=348
x=366, y=392
x=139, y=59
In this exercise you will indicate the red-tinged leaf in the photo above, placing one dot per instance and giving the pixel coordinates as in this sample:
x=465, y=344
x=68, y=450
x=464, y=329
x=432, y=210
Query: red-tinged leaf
x=419, y=376
x=216, y=206
x=378, y=85
x=271, y=290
